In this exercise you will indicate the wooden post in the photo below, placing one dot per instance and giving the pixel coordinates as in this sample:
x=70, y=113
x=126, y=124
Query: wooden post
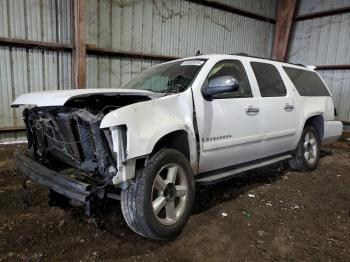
x=79, y=50
x=285, y=15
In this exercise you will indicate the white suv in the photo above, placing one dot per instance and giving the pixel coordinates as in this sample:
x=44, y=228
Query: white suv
x=198, y=120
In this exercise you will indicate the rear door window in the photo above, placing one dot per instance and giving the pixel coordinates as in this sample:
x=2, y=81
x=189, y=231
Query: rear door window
x=269, y=80
x=307, y=83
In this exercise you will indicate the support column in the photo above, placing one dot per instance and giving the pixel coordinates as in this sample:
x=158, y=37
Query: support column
x=284, y=22
x=79, y=49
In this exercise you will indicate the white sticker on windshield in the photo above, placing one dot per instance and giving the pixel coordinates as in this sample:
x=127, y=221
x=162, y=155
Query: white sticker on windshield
x=193, y=62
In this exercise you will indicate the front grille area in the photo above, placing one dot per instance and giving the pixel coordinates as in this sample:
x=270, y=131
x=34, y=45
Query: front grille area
x=70, y=135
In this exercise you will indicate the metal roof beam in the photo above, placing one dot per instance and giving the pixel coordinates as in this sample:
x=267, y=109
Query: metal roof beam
x=337, y=11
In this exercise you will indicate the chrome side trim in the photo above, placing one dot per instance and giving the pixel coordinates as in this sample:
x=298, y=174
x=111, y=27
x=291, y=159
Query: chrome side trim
x=277, y=134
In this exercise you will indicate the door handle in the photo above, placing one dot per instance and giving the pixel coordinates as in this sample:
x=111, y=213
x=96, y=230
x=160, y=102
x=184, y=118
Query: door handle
x=252, y=110
x=288, y=107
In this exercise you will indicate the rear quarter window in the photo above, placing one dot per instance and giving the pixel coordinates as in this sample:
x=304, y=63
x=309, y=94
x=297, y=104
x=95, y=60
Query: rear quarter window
x=306, y=82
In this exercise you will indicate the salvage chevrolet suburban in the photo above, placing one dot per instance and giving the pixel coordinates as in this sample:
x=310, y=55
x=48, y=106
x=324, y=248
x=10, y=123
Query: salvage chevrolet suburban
x=197, y=120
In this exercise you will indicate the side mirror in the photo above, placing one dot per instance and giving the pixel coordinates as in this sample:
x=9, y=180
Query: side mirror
x=220, y=85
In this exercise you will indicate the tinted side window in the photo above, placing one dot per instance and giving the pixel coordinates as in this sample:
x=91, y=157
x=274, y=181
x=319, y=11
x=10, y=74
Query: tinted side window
x=235, y=69
x=306, y=82
x=269, y=80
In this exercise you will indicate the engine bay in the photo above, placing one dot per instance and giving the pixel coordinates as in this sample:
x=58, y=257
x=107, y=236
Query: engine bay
x=70, y=135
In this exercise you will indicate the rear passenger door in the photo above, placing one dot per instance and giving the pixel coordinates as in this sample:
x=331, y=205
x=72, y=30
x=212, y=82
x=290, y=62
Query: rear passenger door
x=278, y=110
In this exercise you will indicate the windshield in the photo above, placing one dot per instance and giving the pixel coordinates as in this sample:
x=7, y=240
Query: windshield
x=171, y=77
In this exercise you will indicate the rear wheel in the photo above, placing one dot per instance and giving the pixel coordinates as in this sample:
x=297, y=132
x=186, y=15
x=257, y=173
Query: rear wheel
x=158, y=204
x=307, y=154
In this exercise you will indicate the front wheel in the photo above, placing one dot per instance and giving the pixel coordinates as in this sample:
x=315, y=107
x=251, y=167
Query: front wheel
x=307, y=154
x=158, y=204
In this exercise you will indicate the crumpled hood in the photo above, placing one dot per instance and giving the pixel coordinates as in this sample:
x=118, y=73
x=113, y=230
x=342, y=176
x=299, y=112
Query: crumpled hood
x=60, y=97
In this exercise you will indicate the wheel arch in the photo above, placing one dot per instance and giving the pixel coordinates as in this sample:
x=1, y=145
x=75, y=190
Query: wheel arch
x=317, y=121
x=179, y=140
x=298, y=161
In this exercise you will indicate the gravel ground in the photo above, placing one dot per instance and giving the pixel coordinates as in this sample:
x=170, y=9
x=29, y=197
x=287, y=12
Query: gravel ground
x=270, y=215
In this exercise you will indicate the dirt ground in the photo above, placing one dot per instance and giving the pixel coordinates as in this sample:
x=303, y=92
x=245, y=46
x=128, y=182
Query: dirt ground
x=272, y=215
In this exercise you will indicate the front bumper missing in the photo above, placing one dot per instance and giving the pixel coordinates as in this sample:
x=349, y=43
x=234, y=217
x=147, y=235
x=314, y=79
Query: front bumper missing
x=53, y=180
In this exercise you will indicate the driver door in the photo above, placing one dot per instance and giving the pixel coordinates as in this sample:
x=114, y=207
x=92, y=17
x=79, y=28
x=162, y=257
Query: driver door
x=231, y=124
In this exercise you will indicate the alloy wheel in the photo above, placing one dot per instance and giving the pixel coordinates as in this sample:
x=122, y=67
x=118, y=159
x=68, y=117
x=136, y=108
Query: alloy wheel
x=169, y=194
x=310, y=147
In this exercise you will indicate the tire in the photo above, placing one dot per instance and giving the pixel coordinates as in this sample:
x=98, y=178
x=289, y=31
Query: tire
x=307, y=153
x=158, y=204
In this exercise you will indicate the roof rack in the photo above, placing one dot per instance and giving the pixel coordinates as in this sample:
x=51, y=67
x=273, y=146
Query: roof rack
x=244, y=54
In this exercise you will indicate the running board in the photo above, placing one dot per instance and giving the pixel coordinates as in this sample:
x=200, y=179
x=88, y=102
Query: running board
x=217, y=177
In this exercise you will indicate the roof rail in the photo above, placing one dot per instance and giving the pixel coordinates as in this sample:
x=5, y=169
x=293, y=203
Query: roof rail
x=244, y=54
x=241, y=54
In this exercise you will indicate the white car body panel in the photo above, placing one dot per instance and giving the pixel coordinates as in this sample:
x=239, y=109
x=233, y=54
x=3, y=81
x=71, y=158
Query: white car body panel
x=331, y=131
x=227, y=135
x=279, y=124
x=245, y=132
x=149, y=121
x=279, y=131
x=60, y=97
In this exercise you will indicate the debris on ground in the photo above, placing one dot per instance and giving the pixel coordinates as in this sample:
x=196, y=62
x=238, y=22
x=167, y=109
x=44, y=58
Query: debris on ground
x=262, y=233
x=252, y=232
x=246, y=214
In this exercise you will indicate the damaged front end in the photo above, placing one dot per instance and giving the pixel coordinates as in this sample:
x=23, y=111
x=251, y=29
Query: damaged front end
x=72, y=136
x=70, y=154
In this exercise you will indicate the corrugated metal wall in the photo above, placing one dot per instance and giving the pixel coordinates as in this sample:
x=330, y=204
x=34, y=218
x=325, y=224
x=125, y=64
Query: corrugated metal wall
x=176, y=28
x=312, y=6
x=261, y=7
x=164, y=27
x=26, y=70
x=325, y=41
